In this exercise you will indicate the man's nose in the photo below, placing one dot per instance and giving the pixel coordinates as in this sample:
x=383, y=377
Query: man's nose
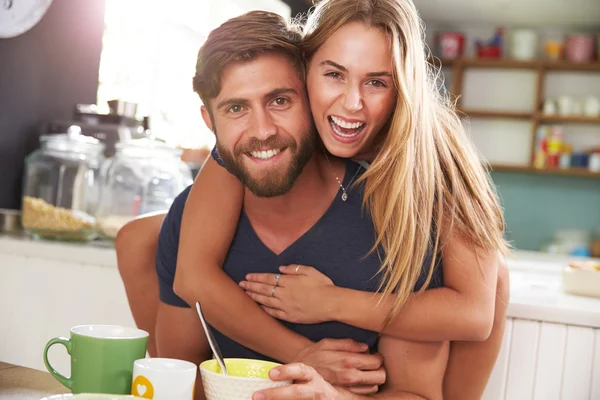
x=263, y=124
x=353, y=99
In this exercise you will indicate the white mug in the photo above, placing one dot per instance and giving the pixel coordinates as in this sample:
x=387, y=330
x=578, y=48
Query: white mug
x=163, y=378
x=565, y=105
x=592, y=106
x=549, y=107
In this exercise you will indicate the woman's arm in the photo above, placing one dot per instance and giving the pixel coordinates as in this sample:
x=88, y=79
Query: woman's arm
x=209, y=223
x=461, y=310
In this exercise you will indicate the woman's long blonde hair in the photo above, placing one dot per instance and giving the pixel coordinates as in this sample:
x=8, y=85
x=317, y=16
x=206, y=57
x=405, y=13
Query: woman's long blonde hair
x=426, y=173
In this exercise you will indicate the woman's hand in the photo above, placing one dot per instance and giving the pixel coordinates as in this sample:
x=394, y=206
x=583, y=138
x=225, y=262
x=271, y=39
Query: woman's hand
x=308, y=384
x=300, y=294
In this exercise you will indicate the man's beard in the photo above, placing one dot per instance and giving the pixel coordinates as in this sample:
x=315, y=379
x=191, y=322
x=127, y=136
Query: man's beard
x=272, y=182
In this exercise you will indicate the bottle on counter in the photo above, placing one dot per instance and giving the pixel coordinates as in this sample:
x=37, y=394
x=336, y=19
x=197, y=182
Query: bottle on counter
x=541, y=148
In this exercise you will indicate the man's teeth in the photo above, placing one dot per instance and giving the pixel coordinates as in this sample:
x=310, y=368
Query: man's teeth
x=346, y=125
x=265, y=155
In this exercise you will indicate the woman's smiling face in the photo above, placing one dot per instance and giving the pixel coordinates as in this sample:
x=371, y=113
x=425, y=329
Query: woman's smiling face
x=351, y=89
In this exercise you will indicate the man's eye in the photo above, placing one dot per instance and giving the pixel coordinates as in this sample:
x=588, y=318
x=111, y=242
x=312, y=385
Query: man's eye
x=235, y=109
x=280, y=101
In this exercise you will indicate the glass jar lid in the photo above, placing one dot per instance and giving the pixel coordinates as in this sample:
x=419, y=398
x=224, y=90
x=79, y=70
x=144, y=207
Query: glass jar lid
x=72, y=141
x=147, y=148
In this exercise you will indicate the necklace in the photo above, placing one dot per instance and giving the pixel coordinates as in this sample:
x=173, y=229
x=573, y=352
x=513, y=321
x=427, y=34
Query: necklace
x=344, y=193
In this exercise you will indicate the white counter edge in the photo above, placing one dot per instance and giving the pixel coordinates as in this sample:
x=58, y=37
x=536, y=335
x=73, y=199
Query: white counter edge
x=59, y=251
x=528, y=299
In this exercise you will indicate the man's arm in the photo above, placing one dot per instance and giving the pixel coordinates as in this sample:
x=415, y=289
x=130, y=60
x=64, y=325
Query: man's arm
x=179, y=334
x=415, y=371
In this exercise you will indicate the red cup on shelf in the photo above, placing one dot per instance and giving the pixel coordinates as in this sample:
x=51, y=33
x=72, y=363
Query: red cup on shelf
x=450, y=45
x=579, y=48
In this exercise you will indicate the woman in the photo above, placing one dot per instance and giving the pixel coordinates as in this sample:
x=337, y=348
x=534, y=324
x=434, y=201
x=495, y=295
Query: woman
x=425, y=188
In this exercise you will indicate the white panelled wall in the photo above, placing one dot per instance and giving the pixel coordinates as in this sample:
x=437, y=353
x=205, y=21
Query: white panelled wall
x=546, y=361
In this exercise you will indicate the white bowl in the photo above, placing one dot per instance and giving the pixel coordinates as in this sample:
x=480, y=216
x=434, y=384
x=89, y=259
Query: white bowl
x=582, y=282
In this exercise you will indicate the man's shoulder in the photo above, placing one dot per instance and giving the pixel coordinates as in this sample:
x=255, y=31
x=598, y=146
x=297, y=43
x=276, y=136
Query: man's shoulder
x=179, y=202
x=175, y=213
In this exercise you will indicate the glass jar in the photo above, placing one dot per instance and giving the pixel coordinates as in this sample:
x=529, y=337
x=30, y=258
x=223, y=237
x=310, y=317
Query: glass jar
x=61, y=187
x=144, y=176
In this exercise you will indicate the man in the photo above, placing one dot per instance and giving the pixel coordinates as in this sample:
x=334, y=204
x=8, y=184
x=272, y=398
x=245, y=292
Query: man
x=260, y=114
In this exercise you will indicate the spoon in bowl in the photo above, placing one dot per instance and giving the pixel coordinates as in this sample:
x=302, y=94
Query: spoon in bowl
x=211, y=340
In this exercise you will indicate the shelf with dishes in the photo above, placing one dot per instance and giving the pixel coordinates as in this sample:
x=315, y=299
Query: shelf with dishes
x=567, y=113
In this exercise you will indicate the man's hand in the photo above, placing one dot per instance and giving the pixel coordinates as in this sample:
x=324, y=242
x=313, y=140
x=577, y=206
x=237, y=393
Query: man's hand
x=308, y=385
x=344, y=363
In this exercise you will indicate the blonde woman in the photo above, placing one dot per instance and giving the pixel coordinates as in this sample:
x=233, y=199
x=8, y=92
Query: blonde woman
x=373, y=98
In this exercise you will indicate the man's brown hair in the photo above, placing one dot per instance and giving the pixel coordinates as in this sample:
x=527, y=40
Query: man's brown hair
x=244, y=38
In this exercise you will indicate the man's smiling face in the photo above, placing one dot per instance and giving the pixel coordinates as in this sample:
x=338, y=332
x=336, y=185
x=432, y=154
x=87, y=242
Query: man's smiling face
x=262, y=121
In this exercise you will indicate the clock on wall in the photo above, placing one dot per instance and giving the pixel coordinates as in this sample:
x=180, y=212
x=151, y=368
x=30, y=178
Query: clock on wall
x=19, y=16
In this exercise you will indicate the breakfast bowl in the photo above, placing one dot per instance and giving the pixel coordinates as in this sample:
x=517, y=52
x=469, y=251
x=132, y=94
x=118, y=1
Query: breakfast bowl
x=244, y=378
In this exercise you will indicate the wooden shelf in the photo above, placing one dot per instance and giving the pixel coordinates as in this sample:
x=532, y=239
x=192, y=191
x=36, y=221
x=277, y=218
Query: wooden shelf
x=541, y=69
x=507, y=63
x=571, y=66
x=442, y=62
x=496, y=114
x=499, y=63
x=576, y=119
x=579, y=172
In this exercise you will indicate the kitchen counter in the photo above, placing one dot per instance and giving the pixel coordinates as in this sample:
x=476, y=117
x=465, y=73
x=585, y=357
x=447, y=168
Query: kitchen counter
x=536, y=280
x=551, y=346
x=536, y=292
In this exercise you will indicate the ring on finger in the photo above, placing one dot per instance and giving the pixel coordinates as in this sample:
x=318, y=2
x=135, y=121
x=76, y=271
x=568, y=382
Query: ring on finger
x=273, y=291
x=277, y=279
x=297, y=267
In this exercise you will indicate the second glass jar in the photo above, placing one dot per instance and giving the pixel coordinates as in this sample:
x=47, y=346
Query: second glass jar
x=143, y=177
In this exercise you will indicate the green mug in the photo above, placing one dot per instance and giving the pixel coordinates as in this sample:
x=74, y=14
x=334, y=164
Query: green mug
x=102, y=358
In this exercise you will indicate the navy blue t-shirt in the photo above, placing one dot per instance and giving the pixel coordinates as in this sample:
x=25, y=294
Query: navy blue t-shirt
x=338, y=245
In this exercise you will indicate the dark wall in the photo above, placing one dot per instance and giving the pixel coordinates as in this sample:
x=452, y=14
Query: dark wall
x=297, y=6
x=43, y=74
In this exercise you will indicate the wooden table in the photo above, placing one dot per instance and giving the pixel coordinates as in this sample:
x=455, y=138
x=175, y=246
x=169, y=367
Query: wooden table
x=20, y=383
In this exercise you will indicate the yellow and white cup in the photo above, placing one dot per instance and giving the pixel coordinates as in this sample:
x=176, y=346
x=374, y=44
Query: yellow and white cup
x=163, y=378
x=245, y=377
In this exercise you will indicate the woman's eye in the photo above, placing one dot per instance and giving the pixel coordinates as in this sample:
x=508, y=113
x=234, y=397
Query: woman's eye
x=335, y=75
x=377, y=83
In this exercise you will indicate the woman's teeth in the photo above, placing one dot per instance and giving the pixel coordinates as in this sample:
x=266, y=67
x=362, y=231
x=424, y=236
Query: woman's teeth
x=345, y=129
x=347, y=125
x=265, y=155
